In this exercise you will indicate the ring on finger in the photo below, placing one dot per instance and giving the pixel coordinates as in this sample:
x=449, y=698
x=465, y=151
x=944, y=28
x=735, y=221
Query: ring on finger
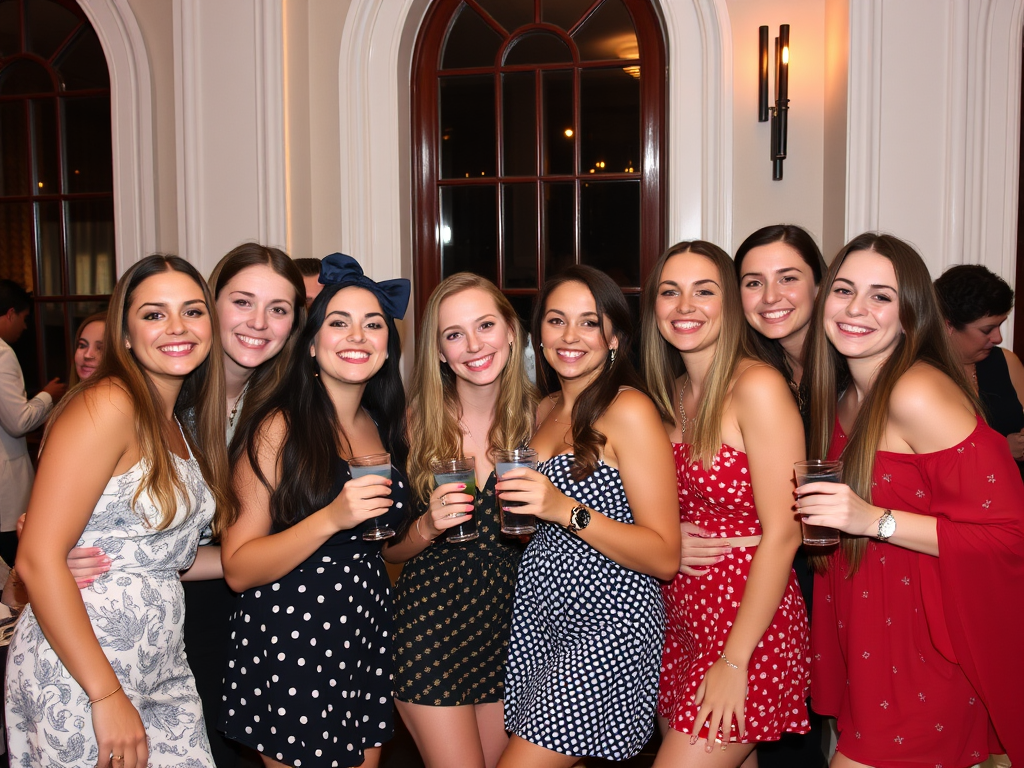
x=444, y=500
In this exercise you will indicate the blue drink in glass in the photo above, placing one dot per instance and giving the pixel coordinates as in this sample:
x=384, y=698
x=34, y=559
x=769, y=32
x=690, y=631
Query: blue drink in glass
x=513, y=524
x=458, y=471
x=374, y=464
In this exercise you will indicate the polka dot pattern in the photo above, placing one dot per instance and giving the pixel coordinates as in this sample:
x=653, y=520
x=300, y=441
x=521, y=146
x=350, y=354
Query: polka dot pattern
x=701, y=611
x=453, y=612
x=310, y=670
x=586, y=635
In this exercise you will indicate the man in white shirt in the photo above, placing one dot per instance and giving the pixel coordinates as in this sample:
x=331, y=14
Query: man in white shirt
x=18, y=416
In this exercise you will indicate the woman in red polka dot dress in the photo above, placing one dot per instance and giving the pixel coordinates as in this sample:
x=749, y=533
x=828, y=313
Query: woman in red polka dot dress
x=736, y=658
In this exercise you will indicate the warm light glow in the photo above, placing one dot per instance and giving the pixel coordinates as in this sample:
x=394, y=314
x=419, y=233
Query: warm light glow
x=446, y=235
x=591, y=170
x=633, y=71
x=40, y=185
x=600, y=164
x=785, y=55
x=568, y=133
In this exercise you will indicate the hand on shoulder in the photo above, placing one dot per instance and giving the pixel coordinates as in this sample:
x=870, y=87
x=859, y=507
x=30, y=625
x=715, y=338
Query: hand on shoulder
x=929, y=411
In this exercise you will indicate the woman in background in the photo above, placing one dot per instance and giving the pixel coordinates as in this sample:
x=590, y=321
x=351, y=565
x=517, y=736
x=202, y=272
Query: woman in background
x=470, y=396
x=99, y=676
x=734, y=671
x=916, y=635
x=975, y=303
x=588, y=621
x=309, y=679
x=260, y=312
x=88, y=348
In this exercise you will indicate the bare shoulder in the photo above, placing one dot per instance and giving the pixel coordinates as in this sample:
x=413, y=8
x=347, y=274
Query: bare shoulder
x=107, y=406
x=544, y=408
x=273, y=429
x=759, y=384
x=929, y=410
x=631, y=408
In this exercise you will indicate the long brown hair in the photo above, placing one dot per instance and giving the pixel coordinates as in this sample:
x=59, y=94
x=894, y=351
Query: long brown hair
x=98, y=317
x=267, y=377
x=434, y=407
x=618, y=371
x=199, y=407
x=662, y=364
x=924, y=339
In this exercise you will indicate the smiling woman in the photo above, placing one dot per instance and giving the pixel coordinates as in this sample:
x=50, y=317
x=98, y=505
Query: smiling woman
x=123, y=465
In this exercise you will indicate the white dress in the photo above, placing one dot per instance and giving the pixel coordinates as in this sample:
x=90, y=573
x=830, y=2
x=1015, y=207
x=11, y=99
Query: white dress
x=137, y=610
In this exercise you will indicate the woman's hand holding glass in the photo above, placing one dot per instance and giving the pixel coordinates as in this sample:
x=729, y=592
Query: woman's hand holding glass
x=837, y=506
x=449, y=506
x=537, y=494
x=360, y=499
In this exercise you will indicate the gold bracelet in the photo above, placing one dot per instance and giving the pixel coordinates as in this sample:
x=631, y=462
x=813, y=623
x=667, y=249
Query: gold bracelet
x=728, y=663
x=420, y=531
x=101, y=698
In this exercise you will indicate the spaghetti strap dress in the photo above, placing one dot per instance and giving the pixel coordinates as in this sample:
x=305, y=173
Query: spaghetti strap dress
x=137, y=609
x=586, y=634
x=310, y=673
x=919, y=657
x=701, y=611
x=453, y=613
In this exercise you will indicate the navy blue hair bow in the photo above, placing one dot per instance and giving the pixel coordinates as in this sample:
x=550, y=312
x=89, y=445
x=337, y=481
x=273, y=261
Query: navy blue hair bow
x=342, y=269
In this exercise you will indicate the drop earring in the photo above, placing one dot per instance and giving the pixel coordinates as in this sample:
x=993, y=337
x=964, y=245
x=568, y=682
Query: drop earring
x=613, y=357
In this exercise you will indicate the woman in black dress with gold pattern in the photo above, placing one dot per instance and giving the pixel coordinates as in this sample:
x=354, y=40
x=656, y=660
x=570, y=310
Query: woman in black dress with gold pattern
x=470, y=396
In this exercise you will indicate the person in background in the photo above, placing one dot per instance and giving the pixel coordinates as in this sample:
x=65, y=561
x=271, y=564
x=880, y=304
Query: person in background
x=975, y=303
x=99, y=676
x=734, y=669
x=260, y=312
x=470, y=396
x=19, y=415
x=310, y=269
x=88, y=352
x=917, y=622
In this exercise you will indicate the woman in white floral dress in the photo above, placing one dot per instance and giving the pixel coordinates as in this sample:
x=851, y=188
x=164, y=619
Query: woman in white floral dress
x=98, y=677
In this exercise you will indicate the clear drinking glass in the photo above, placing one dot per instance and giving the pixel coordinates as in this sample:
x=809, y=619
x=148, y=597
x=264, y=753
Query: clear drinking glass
x=818, y=471
x=512, y=523
x=373, y=464
x=461, y=470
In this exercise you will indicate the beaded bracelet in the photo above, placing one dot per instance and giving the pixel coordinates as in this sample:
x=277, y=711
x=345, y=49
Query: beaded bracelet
x=728, y=663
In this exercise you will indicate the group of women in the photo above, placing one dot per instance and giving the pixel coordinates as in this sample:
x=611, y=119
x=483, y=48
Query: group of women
x=659, y=585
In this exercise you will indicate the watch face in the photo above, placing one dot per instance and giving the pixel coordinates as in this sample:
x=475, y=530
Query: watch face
x=582, y=517
x=886, y=527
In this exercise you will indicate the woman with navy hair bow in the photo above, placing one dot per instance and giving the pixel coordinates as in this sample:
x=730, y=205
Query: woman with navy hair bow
x=310, y=677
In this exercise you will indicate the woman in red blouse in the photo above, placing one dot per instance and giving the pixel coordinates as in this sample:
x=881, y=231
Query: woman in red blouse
x=917, y=622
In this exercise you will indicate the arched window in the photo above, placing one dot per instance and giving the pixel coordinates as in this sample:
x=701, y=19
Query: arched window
x=538, y=142
x=56, y=187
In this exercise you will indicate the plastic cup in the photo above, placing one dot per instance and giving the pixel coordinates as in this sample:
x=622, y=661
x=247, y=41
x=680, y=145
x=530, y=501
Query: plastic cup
x=818, y=471
x=461, y=470
x=513, y=524
x=373, y=464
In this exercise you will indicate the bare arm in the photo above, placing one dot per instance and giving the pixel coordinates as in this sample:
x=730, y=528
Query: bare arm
x=206, y=566
x=773, y=440
x=638, y=444
x=1016, y=439
x=432, y=523
x=86, y=447
x=927, y=413
x=252, y=554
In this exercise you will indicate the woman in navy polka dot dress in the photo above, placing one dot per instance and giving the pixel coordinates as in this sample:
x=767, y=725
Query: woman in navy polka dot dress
x=310, y=677
x=736, y=660
x=588, y=620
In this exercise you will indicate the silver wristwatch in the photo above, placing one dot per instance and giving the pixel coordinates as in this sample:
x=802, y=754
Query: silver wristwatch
x=886, y=525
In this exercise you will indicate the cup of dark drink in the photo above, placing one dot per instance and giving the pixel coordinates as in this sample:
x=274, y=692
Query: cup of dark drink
x=460, y=470
x=818, y=471
x=513, y=524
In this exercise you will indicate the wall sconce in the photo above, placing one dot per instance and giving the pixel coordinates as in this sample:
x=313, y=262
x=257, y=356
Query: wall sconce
x=779, y=114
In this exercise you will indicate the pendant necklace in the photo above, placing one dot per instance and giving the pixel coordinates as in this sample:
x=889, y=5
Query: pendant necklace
x=682, y=411
x=234, y=409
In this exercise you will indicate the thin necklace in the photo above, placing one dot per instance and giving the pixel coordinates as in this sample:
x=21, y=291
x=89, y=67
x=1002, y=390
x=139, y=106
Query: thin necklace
x=555, y=402
x=234, y=409
x=974, y=375
x=682, y=411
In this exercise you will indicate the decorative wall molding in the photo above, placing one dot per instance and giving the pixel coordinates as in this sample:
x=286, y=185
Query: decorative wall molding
x=270, y=135
x=375, y=163
x=131, y=105
x=863, y=142
x=188, y=124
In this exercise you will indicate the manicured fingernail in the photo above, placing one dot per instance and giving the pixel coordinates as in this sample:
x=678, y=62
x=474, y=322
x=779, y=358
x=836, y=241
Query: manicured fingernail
x=693, y=740
x=720, y=559
x=461, y=486
x=708, y=749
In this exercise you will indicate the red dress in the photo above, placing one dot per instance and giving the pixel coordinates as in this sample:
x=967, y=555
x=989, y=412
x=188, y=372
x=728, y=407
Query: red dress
x=700, y=611
x=919, y=657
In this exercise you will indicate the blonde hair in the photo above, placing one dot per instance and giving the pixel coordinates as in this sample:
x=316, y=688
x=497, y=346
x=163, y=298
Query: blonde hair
x=924, y=338
x=434, y=408
x=662, y=363
x=199, y=407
